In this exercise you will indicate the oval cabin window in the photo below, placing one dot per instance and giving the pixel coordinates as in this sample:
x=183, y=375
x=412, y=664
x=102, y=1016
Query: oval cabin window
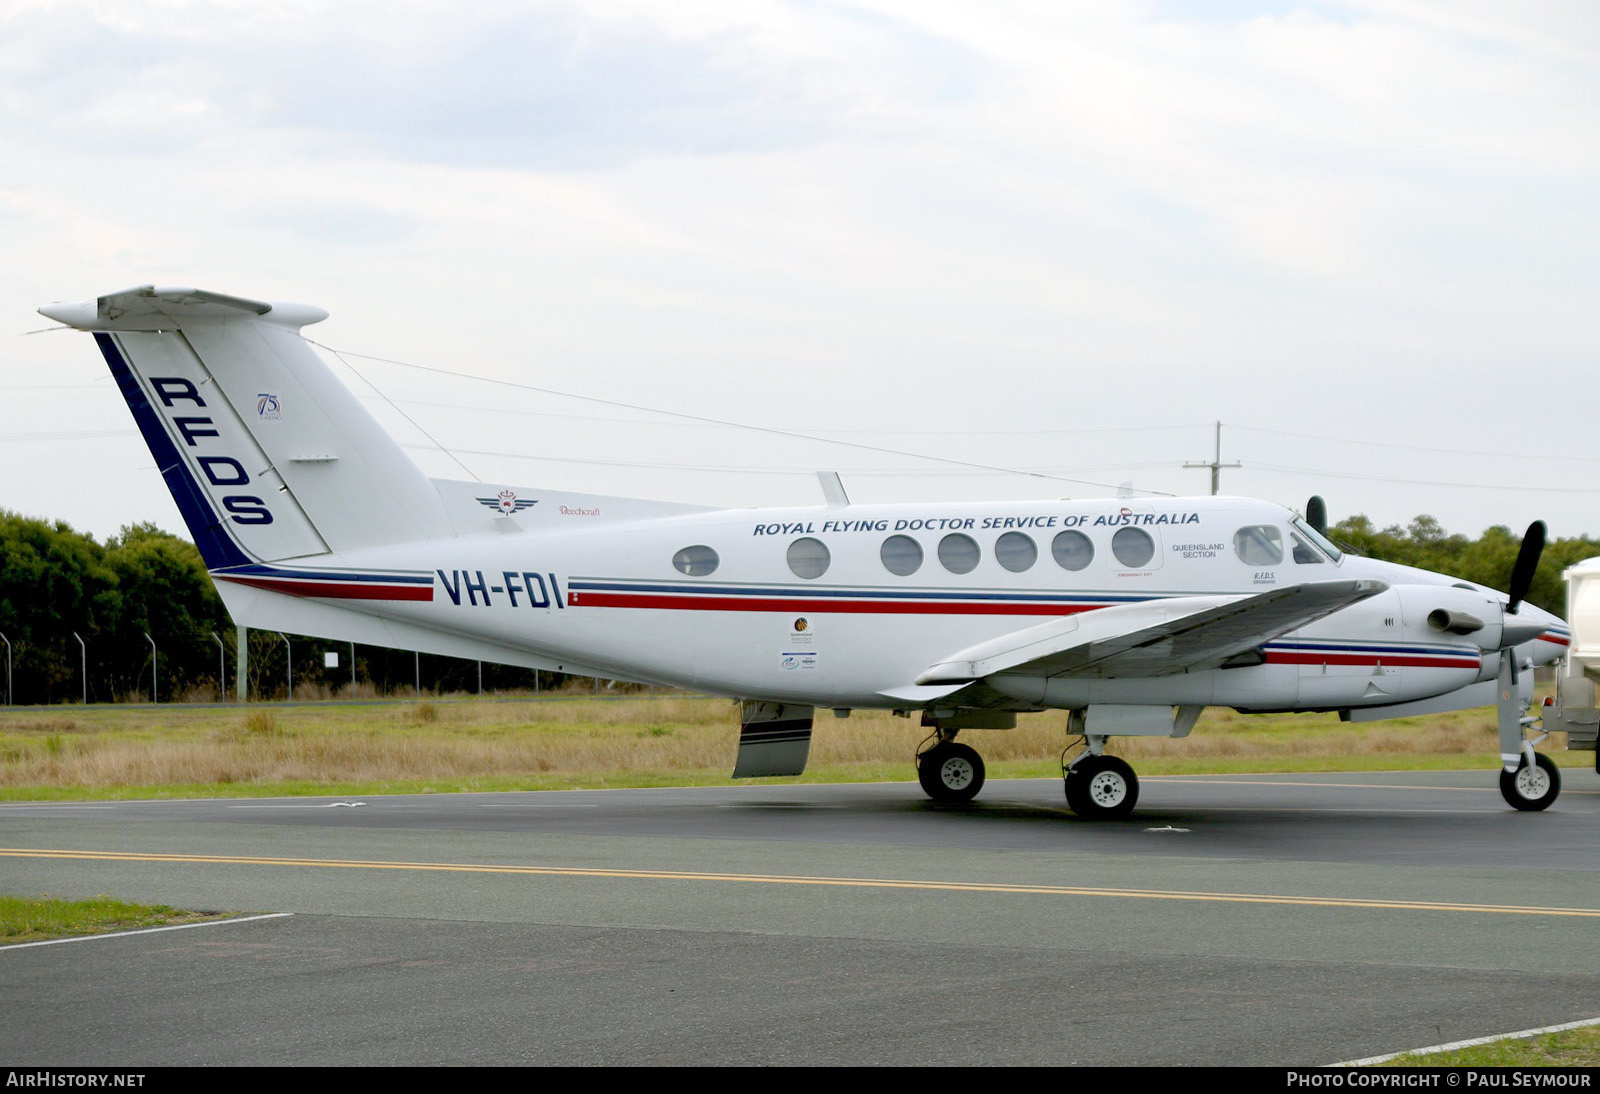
x=958, y=553
x=901, y=555
x=1016, y=552
x=1072, y=550
x=809, y=558
x=1133, y=547
x=696, y=561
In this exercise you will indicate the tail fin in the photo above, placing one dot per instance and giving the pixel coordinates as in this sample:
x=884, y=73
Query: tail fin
x=267, y=454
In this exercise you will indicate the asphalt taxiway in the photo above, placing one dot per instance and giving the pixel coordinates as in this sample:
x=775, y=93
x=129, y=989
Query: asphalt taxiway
x=1290, y=919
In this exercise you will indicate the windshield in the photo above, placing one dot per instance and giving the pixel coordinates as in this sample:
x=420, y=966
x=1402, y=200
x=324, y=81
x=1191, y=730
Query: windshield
x=1319, y=539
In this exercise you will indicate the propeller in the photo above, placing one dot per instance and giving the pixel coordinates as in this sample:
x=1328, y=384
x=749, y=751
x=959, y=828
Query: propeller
x=1527, y=562
x=1510, y=707
x=1317, y=514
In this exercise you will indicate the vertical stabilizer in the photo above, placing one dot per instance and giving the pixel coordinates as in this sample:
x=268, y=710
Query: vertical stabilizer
x=267, y=454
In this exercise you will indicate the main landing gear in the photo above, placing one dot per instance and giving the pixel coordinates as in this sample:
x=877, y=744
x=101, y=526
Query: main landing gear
x=949, y=772
x=1099, y=787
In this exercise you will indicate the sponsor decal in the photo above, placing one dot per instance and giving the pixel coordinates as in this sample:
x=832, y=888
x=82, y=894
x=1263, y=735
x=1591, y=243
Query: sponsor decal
x=799, y=661
x=801, y=634
x=507, y=502
x=268, y=408
x=577, y=511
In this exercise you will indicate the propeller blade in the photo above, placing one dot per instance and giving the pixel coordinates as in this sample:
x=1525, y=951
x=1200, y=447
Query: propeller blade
x=1527, y=563
x=1317, y=514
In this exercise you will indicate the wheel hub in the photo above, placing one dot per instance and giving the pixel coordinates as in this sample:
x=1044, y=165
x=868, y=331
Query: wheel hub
x=955, y=773
x=1532, y=782
x=1107, y=789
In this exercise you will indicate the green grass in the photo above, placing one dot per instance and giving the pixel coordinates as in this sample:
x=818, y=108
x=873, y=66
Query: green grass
x=1569, y=1048
x=38, y=919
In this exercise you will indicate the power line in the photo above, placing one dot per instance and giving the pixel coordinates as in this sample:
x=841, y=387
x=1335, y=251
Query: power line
x=1423, y=482
x=940, y=430
x=747, y=470
x=1417, y=447
x=770, y=430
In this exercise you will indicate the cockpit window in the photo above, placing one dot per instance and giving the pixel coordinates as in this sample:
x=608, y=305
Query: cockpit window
x=1258, y=545
x=1319, y=539
x=1304, y=553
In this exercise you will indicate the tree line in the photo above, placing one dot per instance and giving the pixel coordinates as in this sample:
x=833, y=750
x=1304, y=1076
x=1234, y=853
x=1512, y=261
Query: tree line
x=1487, y=560
x=55, y=582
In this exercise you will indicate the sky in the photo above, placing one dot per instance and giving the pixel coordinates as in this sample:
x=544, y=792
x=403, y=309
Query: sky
x=1061, y=239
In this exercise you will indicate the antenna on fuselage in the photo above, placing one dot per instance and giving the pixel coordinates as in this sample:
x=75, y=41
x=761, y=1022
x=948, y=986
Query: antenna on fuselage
x=833, y=489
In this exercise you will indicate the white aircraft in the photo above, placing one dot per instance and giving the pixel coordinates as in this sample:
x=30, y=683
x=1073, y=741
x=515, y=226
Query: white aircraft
x=1132, y=615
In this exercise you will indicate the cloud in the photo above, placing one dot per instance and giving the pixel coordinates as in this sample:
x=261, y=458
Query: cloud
x=509, y=85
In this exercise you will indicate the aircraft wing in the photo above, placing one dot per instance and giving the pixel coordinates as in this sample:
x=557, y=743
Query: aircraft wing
x=1155, y=638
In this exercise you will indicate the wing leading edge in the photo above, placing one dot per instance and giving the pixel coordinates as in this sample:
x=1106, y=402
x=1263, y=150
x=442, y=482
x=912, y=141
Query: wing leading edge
x=1156, y=638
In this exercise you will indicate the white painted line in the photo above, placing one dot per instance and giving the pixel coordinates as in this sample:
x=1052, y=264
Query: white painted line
x=146, y=930
x=307, y=805
x=538, y=805
x=1473, y=1043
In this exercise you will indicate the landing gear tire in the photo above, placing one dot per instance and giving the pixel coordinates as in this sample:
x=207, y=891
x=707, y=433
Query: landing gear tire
x=1102, y=788
x=1531, y=788
x=950, y=772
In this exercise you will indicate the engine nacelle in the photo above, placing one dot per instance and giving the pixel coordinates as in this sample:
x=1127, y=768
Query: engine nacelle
x=1435, y=611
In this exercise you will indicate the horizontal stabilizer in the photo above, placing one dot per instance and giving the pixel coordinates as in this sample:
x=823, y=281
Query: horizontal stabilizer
x=146, y=307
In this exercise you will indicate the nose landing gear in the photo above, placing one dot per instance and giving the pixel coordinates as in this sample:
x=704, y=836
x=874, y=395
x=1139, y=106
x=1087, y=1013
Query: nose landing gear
x=1531, y=787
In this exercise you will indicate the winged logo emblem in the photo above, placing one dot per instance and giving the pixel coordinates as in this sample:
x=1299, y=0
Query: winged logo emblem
x=507, y=502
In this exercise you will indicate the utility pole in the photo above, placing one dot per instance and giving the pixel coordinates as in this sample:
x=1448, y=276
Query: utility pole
x=241, y=663
x=352, y=670
x=418, y=654
x=154, y=698
x=222, y=668
x=288, y=666
x=1215, y=464
x=7, y=641
x=83, y=654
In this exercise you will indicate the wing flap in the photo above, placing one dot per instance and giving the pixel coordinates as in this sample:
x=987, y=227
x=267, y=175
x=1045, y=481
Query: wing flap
x=1157, y=638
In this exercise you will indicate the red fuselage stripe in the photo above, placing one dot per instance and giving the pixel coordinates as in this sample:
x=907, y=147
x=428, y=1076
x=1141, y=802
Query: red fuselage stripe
x=334, y=590
x=1395, y=661
x=839, y=606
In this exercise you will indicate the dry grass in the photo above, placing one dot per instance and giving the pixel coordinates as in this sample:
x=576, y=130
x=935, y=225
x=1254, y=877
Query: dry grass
x=451, y=744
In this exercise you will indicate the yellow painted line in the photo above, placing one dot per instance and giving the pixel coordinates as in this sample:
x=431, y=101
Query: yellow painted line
x=800, y=879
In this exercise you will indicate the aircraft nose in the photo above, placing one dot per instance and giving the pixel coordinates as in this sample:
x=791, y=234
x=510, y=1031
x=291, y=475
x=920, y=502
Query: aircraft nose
x=1553, y=643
